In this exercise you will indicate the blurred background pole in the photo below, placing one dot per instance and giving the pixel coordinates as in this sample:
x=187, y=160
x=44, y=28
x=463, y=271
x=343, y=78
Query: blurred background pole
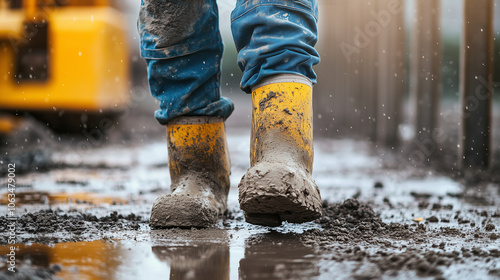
x=391, y=75
x=329, y=92
x=425, y=69
x=355, y=68
x=368, y=71
x=476, y=84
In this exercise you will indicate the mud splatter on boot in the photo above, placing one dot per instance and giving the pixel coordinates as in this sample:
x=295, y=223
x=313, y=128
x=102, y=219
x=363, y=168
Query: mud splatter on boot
x=199, y=169
x=279, y=186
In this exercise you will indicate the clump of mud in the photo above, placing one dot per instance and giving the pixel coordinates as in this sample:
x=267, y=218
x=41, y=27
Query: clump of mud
x=352, y=231
x=354, y=221
x=50, y=221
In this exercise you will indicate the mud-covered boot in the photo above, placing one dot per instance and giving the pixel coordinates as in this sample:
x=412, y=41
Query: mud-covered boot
x=278, y=186
x=199, y=169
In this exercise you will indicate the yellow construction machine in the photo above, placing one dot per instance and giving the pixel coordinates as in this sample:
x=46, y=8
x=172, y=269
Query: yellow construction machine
x=62, y=61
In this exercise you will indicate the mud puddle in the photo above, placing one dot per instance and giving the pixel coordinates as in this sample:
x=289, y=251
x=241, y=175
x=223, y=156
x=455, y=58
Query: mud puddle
x=382, y=220
x=208, y=254
x=350, y=241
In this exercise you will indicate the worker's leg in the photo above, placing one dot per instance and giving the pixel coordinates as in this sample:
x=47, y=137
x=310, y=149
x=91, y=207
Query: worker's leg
x=275, y=40
x=275, y=37
x=182, y=46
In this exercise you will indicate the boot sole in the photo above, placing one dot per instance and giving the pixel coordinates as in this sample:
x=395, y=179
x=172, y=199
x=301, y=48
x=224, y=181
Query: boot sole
x=259, y=212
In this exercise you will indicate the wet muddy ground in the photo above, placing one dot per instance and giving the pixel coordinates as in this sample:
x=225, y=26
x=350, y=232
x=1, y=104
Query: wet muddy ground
x=83, y=214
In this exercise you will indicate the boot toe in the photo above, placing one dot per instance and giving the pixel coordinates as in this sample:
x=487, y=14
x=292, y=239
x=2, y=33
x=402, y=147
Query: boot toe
x=271, y=190
x=184, y=211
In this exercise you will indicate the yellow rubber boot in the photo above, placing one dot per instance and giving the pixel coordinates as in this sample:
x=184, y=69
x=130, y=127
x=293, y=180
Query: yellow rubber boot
x=278, y=186
x=199, y=169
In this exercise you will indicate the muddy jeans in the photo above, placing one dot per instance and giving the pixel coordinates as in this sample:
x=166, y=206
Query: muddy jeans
x=182, y=46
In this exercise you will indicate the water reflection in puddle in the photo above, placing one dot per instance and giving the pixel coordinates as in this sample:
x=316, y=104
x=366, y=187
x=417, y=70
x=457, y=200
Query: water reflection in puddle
x=195, y=262
x=44, y=198
x=277, y=256
x=76, y=260
x=175, y=254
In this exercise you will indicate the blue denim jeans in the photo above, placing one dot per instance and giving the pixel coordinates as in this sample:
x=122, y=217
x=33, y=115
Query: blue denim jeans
x=182, y=46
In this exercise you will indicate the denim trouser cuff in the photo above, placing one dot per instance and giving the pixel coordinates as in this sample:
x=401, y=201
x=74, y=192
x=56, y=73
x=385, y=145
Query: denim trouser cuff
x=181, y=43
